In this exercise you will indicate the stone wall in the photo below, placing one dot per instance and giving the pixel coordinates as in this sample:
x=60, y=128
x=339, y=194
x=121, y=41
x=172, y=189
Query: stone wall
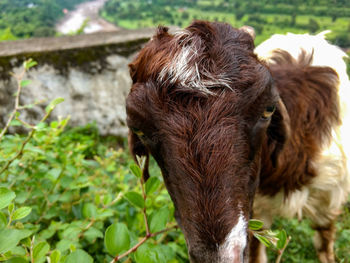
x=89, y=71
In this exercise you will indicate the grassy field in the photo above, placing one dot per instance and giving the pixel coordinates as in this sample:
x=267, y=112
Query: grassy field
x=270, y=27
x=268, y=24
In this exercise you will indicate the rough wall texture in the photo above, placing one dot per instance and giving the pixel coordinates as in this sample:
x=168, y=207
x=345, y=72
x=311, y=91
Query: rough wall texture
x=89, y=71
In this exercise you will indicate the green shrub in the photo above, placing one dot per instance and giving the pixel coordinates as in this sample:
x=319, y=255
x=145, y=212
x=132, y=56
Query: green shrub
x=65, y=196
x=313, y=25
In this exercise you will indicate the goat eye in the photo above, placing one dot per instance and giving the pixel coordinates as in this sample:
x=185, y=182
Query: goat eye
x=137, y=132
x=268, y=112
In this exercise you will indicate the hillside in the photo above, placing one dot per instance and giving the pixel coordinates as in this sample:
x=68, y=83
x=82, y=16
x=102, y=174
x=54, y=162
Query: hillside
x=266, y=16
x=31, y=18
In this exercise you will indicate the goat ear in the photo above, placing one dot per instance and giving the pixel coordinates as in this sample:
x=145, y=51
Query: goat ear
x=278, y=132
x=137, y=149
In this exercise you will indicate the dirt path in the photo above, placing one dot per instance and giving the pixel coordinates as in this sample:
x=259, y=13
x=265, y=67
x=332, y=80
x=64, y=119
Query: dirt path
x=73, y=20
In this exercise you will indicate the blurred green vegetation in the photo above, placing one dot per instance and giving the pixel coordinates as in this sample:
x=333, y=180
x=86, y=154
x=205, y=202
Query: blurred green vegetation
x=266, y=16
x=37, y=18
x=31, y=18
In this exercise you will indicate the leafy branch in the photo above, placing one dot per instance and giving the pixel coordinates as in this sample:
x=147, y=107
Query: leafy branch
x=70, y=168
x=133, y=197
x=143, y=240
x=15, y=113
x=276, y=239
x=20, y=83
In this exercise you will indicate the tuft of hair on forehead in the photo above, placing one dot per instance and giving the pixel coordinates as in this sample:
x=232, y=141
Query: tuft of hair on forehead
x=202, y=57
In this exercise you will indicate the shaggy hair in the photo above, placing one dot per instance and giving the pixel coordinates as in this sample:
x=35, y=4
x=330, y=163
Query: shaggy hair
x=226, y=126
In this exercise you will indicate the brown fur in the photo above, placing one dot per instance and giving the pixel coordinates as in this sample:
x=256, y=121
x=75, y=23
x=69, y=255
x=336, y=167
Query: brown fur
x=312, y=104
x=214, y=148
x=324, y=242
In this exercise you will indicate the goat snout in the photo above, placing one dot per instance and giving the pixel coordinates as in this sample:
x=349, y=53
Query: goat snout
x=203, y=256
x=236, y=255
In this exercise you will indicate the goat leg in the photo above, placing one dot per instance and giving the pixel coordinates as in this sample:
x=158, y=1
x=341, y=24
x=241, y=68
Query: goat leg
x=324, y=243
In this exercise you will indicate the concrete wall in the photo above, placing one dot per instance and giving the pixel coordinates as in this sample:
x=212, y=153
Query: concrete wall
x=89, y=71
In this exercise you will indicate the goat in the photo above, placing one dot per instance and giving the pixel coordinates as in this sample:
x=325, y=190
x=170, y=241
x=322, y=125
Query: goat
x=240, y=135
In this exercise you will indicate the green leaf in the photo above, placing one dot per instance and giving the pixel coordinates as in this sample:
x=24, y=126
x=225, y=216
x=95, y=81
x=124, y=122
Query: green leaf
x=15, y=123
x=135, y=199
x=55, y=256
x=107, y=199
x=17, y=260
x=28, y=106
x=72, y=247
x=105, y=214
x=117, y=238
x=282, y=239
x=19, y=250
x=3, y=220
x=262, y=239
x=159, y=219
x=89, y=211
x=27, y=242
x=144, y=254
x=53, y=104
x=79, y=256
x=92, y=233
x=63, y=245
x=11, y=207
x=21, y=212
x=72, y=232
x=97, y=199
x=40, y=126
x=152, y=185
x=9, y=238
x=148, y=253
x=135, y=170
x=255, y=224
x=54, y=173
x=29, y=63
x=25, y=82
x=21, y=197
x=40, y=250
x=6, y=197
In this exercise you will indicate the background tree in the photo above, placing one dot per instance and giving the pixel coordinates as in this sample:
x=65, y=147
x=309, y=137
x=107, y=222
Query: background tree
x=313, y=26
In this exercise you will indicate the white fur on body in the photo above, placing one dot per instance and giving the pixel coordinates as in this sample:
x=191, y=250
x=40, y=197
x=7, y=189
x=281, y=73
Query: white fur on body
x=322, y=199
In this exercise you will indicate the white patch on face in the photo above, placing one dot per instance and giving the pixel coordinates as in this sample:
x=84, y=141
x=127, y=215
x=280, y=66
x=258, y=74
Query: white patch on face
x=233, y=248
x=183, y=67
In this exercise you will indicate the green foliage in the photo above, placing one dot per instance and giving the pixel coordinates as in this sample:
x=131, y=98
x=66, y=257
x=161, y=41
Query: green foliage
x=276, y=239
x=255, y=224
x=342, y=39
x=117, y=238
x=267, y=17
x=6, y=34
x=31, y=18
x=300, y=248
x=67, y=200
x=6, y=196
x=313, y=26
x=79, y=256
x=70, y=198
